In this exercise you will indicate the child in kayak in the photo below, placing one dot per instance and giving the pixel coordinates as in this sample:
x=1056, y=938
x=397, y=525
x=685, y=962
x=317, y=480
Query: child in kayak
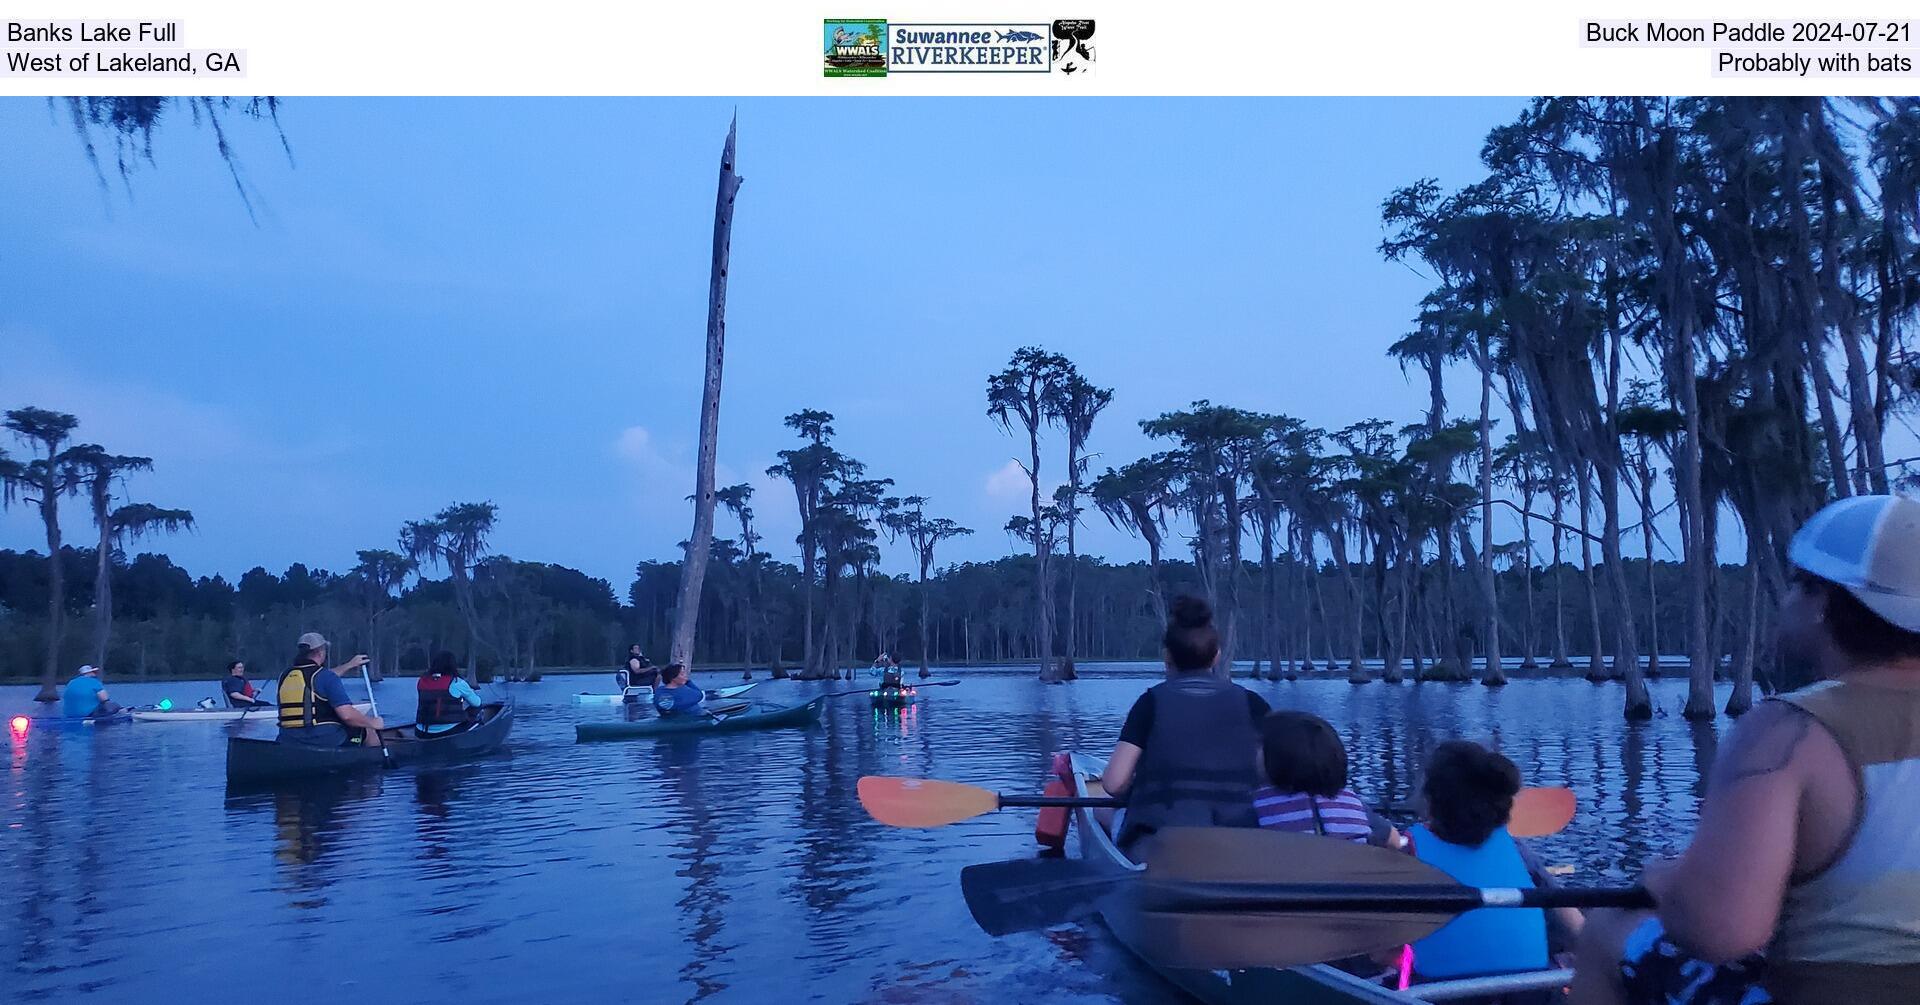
x=1306, y=790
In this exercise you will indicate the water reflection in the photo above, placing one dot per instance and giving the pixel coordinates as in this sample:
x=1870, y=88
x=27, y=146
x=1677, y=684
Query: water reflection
x=725, y=868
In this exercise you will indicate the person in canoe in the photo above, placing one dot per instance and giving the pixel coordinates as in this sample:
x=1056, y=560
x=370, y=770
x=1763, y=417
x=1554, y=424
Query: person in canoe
x=314, y=707
x=1187, y=752
x=1469, y=792
x=446, y=699
x=239, y=690
x=1802, y=878
x=85, y=697
x=675, y=695
x=1306, y=785
x=636, y=670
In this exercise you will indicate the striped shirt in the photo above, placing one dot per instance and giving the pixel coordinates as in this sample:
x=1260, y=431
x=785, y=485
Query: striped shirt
x=1341, y=816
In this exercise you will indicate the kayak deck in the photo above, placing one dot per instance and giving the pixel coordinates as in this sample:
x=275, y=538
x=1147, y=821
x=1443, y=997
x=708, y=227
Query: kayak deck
x=643, y=693
x=1318, y=984
x=259, y=713
x=767, y=717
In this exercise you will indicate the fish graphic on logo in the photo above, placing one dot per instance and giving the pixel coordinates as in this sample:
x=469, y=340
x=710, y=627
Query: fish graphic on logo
x=1019, y=36
x=1072, y=45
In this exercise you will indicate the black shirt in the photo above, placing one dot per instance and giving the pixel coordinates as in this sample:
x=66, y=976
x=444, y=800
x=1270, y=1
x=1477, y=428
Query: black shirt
x=1139, y=724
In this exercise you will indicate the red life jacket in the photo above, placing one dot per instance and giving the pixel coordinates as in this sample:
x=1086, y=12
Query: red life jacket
x=438, y=706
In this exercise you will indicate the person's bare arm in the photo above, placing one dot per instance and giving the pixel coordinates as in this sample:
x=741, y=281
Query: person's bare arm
x=1721, y=899
x=1118, y=777
x=356, y=719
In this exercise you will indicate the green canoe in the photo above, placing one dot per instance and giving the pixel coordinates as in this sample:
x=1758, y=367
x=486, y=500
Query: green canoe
x=758, y=716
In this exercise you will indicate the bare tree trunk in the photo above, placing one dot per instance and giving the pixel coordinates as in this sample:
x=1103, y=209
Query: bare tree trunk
x=57, y=591
x=1596, y=667
x=1741, y=700
x=1560, y=658
x=694, y=570
x=1495, y=674
x=103, y=591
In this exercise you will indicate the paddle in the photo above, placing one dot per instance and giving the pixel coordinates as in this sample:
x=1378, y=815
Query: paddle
x=1227, y=898
x=385, y=755
x=1538, y=812
x=928, y=802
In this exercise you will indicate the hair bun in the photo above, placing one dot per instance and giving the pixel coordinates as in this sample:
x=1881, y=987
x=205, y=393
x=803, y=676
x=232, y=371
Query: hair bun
x=1190, y=612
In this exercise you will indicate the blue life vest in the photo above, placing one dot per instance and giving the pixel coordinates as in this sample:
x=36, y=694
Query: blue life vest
x=1490, y=940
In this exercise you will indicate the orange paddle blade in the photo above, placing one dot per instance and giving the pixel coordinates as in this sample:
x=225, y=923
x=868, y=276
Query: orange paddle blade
x=1538, y=812
x=923, y=802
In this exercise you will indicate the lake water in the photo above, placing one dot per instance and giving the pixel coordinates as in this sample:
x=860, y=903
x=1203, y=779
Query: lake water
x=733, y=868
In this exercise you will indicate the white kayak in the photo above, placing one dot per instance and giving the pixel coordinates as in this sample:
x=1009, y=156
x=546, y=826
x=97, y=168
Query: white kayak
x=259, y=713
x=645, y=693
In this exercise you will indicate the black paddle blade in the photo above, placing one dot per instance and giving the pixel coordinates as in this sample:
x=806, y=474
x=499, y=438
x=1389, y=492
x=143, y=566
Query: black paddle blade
x=1252, y=855
x=1205, y=932
x=1032, y=893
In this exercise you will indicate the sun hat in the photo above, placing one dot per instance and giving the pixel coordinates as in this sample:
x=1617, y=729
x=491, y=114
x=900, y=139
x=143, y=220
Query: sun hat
x=313, y=640
x=1870, y=545
x=89, y=668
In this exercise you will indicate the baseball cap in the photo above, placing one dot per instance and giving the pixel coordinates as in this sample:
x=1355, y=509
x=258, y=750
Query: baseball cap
x=314, y=640
x=1870, y=545
x=89, y=668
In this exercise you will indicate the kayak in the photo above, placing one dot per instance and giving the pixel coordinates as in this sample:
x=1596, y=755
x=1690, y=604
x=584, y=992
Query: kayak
x=259, y=713
x=760, y=716
x=893, y=697
x=46, y=721
x=1318, y=984
x=251, y=760
x=646, y=693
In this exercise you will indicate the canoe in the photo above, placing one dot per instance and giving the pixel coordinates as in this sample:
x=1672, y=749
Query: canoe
x=263, y=713
x=757, y=716
x=646, y=694
x=251, y=760
x=893, y=697
x=1311, y=985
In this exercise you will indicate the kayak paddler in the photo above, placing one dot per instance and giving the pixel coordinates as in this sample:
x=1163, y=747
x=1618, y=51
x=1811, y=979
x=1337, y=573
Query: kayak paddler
x=445, y=697
x=85, y=697
x=239, y=690
x=637, y=671
x=314, y=707
x=1187, y=752
x=675, y=695
x=1802, y=878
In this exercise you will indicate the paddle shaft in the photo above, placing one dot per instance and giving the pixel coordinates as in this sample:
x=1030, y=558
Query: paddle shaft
x=1113, y=802
x=1384, y=898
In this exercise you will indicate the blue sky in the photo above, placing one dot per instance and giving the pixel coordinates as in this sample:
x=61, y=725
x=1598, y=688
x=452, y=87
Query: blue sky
x=505, y=299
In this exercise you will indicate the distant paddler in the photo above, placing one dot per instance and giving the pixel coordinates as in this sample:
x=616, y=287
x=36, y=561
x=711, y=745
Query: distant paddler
x=446, y=699
x=239, y=690
x=314, y=706
x=85, y=697
x=889, y=670
x=637, y=671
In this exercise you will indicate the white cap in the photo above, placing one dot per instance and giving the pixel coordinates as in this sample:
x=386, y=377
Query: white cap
x=89, y=668
x=1871, y=546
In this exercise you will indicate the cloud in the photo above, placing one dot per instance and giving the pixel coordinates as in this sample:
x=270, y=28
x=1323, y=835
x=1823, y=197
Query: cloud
x=1009, y=482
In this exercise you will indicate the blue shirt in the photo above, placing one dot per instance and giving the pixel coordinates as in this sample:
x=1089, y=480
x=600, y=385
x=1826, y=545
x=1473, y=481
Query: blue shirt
x=682, y=700
x=82, y=696
x=462, y=690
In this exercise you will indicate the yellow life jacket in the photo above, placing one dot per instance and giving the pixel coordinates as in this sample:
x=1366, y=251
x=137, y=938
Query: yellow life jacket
x=300, y=708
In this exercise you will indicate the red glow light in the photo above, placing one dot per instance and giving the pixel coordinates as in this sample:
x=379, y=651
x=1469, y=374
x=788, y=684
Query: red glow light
x=19, y=723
